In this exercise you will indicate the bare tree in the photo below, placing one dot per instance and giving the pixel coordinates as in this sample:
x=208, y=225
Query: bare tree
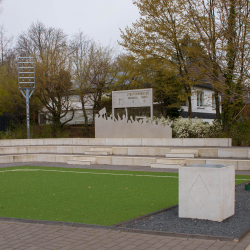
x=92, y=67
x=5, y=45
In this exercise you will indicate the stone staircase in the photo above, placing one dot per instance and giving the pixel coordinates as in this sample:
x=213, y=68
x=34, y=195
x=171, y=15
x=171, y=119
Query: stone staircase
x=137, y=152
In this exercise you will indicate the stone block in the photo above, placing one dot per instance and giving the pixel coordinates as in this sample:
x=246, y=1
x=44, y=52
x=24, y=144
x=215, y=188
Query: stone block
x=138, y=151
x=155, y=151
x=105, y=149
x=92, y=159
x=179, y=155
x=13, y=150
x=144, y=161
x=41, y=149
x=132, y=141
x=63, y=158
x=151, y=142
x=36, y=142
x=172, y=142
x=6, y=159
x=64, y=149
x=96, y=152
x=171, y=166
x=49, y=141
x=232, y=153
x=105, y=160
x=120, y=150
x=195, y=161
x=114, y=141
x=46, y=158
x=123, y=161
x=80, y=149
x=218, y=142
x=82, y=162
x=171, y=161
x=206, y=192
x=200, y=142
x=25, y=158
x=208, y=152
x=185, y=151
x=5, y=143
x=243, y=165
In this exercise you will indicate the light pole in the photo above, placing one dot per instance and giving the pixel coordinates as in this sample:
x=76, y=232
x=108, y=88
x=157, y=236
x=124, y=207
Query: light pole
x=26, y=81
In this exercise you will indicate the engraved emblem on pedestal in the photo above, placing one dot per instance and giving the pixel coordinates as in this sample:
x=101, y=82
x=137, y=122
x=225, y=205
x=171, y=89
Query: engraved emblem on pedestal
x=199, y=192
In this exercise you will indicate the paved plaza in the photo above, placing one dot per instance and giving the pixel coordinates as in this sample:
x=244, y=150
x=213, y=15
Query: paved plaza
x=31, y=236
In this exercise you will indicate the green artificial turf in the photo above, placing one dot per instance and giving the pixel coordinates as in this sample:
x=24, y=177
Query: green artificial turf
x=76, y=196
x=102, y=197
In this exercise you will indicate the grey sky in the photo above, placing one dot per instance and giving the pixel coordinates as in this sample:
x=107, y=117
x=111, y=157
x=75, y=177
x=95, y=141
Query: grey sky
x=98, y=19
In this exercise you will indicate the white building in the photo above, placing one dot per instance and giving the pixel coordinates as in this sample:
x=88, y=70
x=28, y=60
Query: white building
x=203, y=103
x=203, y=106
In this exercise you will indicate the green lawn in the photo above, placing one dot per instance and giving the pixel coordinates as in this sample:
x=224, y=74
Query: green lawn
x=102, y=197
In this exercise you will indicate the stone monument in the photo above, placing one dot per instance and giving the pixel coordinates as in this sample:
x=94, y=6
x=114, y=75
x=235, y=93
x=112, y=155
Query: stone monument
x=206, y=192
x=124, y=127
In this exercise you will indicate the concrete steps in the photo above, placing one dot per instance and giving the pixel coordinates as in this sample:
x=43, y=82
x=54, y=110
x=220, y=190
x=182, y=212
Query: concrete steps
x=239, y=164
x=130, y=152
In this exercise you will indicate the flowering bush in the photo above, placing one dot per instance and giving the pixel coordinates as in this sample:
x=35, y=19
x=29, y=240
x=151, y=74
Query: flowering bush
x=162, y=120
x=195, y=128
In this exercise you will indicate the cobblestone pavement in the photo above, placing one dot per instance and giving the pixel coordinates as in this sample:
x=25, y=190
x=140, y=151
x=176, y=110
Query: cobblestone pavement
x=29, y=236
x=38, y=236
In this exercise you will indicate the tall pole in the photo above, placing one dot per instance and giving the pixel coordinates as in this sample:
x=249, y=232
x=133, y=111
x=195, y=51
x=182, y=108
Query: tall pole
x=26, y=79
x=28, y=113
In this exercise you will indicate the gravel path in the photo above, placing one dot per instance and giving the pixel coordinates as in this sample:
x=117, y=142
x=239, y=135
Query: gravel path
x=168, y=221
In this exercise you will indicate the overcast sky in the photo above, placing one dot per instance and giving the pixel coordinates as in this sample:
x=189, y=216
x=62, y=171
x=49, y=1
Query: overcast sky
x=98, y=19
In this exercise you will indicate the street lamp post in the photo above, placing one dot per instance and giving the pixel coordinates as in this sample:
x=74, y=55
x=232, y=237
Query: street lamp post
x=26, y=81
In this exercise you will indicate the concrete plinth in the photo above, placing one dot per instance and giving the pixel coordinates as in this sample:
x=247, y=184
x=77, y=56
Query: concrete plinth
x=206, y=192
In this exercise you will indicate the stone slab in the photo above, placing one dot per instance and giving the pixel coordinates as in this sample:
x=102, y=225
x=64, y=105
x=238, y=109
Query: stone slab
x=195, y=161
x=243, y=165
x=41, y=149
x=171, y=166
x=195, y=152
x=132, y=141
x=96, y=153
x=6, y=159
x=208, y=152
x=120, y=150
x=82, y=162
x=144, y=161
x=172, y=142
x=123, y=161
x=206, y=192
x=104, y=160
x=179, y=155
x=114, y=141
x=108, y=150
x=232, y=153
x=171, y=161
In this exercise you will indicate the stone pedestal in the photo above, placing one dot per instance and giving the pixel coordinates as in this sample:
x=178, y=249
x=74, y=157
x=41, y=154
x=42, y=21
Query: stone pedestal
x=206, y=192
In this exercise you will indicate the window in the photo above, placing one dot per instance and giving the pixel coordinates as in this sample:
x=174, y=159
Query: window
x=200, y=99
x=213, y=101
x=42, y=119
